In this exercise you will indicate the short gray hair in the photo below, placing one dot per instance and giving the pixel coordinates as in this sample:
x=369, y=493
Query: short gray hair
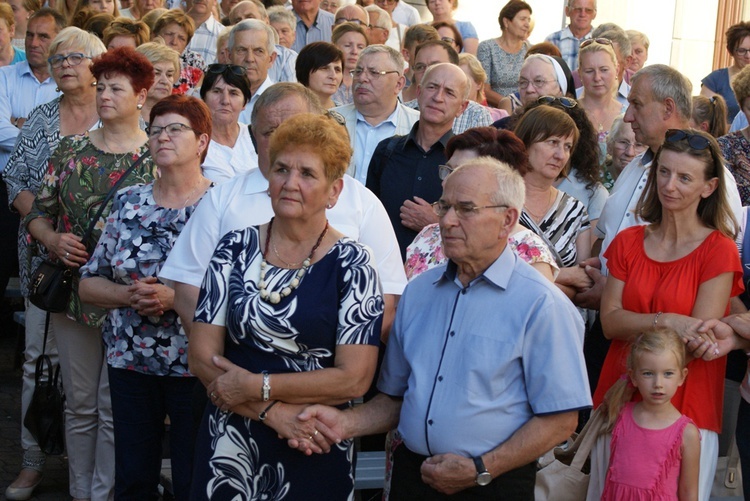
x=395, y=56
x=667, y=82
x=283, y=90
x=638, y=37
x=621, y=41
x=76, y=38
x=253, y=25
x=614, y=131
x=384, y=19
x=510, y=189
x=278, y=14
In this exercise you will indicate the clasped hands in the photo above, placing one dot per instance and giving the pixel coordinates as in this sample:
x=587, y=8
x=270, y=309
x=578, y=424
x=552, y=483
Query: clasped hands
x=150, y=298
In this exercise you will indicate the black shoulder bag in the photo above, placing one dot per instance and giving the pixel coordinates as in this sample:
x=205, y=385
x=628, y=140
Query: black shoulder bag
x=52, y=282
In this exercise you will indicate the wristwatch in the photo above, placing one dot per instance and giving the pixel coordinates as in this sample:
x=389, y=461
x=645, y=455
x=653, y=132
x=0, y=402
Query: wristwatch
x=265, y=391
x=483, y=476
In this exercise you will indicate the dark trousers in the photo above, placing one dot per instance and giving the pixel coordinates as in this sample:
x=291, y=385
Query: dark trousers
x=407, y=485
x=140, y=404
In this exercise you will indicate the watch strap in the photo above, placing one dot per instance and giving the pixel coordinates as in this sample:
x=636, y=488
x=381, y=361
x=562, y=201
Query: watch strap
x=479, y=464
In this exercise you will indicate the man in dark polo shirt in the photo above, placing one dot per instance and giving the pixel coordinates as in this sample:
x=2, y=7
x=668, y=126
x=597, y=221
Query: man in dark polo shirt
x=403, y=172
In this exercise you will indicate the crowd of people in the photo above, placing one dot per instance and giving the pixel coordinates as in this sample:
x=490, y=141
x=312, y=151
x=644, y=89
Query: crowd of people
x=308, y=204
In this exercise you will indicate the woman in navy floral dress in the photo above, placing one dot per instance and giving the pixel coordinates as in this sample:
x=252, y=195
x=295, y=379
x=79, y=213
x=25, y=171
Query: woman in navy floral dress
x=146, y=347
x=289, y=314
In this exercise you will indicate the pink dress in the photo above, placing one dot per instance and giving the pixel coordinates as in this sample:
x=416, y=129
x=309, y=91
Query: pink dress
x=644, y=464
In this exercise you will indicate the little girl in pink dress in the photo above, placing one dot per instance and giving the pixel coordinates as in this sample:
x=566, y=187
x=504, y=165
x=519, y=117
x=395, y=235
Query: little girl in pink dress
x=655, y=450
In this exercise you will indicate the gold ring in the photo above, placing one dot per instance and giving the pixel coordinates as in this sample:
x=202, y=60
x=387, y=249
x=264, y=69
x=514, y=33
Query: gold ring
x=316, y=432
x=311, y=437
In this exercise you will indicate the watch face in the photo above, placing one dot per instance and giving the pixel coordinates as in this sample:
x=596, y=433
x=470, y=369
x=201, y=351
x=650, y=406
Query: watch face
x=484, y=478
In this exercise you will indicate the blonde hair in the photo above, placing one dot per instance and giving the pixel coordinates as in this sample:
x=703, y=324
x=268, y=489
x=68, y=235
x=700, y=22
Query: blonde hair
x=476, y=70
x=657, y=341
x=157, y=52
x=595, y=46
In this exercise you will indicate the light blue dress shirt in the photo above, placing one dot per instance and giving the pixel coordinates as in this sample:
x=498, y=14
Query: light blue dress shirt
x=20, y=92
x=739, y=122
x=367, y=139
x=474, y=364
x=320, y=31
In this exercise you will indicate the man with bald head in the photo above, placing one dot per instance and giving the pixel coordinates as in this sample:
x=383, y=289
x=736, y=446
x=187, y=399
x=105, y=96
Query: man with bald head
x=438, y=51
x=352, y=14
x=478, y=376
x=403, y=171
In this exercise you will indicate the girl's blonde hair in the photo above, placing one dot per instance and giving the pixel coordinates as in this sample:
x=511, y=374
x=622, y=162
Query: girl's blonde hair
x=622, y=391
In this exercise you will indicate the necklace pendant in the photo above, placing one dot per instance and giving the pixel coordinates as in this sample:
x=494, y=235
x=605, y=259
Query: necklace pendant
x=275, y=298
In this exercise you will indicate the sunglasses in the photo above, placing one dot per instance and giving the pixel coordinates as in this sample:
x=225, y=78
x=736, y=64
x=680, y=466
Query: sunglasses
x=223, y=68
x=602, y=41
x=567, y=102
x=695, y=141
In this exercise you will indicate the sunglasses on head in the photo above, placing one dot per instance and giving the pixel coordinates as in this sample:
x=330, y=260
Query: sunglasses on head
x=695, y=141
x=567, y=102
x=222, y=68
x=603, y=41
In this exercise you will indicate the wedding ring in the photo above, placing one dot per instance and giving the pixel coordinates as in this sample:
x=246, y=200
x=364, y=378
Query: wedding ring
x=310, y=439
x=316, y=432
x=67, y=254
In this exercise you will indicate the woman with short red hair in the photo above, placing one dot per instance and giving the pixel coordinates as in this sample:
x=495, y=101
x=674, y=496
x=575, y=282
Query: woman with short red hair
x=146, y=347
x=81, y=172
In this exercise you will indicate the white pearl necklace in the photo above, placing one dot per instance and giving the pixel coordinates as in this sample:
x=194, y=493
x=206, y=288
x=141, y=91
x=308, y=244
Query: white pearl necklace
x=276, y=297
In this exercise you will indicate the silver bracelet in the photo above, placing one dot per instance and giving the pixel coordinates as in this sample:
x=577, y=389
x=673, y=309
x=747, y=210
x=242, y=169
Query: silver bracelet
x=656, y=319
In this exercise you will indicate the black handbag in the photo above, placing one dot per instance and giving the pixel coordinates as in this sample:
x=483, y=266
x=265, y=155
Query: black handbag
x=52, y=282
x=44, y=417
x=50, y=287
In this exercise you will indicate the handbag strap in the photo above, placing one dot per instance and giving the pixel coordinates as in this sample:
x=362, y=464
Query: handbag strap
x=109, y=196
x=46, y=331
x=587, y=438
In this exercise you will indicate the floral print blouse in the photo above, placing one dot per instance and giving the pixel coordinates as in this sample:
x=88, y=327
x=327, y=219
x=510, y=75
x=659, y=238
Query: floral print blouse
x=136, y=241
x=736, y=150
x=192, y=67
x=78, y=178
x=426, y=251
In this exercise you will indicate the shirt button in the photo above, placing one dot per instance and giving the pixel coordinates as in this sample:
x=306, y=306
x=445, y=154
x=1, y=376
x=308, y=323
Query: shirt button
x=453, y=333
x=464, y=291
x=419, y=178
x=627, y=214
x=440, y=378
x=429, y=422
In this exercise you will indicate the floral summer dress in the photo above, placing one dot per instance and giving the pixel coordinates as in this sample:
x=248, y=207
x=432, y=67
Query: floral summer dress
x=337, y=302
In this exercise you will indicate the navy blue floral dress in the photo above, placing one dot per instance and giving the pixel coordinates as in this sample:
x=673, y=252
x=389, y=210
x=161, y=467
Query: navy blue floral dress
x=338, y=302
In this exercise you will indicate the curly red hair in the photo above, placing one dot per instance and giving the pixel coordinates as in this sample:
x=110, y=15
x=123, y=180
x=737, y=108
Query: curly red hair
x=127, y=62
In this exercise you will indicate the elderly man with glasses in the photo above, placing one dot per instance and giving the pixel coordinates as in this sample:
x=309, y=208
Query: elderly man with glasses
x=581, y=14
x=478, y=377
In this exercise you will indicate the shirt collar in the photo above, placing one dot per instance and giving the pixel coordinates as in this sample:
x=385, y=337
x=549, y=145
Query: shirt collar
x=314, y=23
x=567, y=33
x=392, y=118
x=443, y=139
x=255, y=182
x=498, y=273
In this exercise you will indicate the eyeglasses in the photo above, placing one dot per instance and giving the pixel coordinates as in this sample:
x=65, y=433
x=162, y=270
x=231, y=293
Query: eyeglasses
x=445, y=171
x=741, y=52
x=566, y=102
x=130, y=27
x=73, y=59
x=386, y=2
x=462, y=210
x=448, y=39
x=602, y=41
x=172, y=130
x=626, y=145
x=581, y=10
x=538, y=83
x=695, y=141
x=223, y=68
x=342, y=20
x=373, y=74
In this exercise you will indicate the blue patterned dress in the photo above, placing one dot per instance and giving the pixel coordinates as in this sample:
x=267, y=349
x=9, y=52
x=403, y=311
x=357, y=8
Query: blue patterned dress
x=337, y=302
